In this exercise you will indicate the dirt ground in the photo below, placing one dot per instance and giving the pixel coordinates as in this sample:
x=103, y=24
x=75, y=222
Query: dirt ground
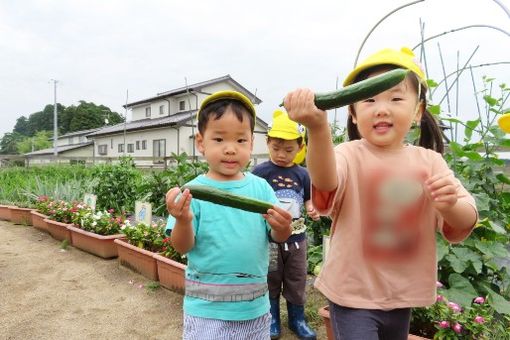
x=50, y=293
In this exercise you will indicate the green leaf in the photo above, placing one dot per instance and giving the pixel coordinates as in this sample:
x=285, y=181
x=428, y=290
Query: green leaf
x=457, y=264
x=490, y=100
x=441, y=247
x=492, y=249
x=503, y=178
x=473, y=155
x=434, y=109
x=500, y=304
x=461, y=290
x=497, y=228
x=470, y=126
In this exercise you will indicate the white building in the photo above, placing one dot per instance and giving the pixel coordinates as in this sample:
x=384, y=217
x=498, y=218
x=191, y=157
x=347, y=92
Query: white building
x=160, y=126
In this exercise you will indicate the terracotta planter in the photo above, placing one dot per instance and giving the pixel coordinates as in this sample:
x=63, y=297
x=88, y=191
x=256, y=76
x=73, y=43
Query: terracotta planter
x=99, y=245
x=38, y=220
x=5, y=212
x=324, y=312
x=171, y=273
x=58, y=230
x=21, y=215
x=137, y=259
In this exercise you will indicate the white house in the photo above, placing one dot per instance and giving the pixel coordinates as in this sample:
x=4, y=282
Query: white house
x=166, y=124
x=72, y=147
x=160, y=125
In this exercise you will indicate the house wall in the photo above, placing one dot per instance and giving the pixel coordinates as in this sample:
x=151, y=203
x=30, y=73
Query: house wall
x=84, y=153
x=62, y=141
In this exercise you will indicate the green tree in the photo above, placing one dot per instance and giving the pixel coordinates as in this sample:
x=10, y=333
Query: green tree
x=8, y=144
x=41, y=140
x=89, y=115
x=22, y=126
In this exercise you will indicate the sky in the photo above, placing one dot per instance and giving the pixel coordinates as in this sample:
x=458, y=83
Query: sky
x=108, y=52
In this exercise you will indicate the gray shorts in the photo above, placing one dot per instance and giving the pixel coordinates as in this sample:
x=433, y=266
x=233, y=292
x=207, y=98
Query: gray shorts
x=196, y=328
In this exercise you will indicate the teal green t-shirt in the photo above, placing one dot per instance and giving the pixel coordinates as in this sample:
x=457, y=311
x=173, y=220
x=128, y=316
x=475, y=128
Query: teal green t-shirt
x=231, y=247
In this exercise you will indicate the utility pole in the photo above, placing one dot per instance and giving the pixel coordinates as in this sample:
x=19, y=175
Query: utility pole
x=55, y=133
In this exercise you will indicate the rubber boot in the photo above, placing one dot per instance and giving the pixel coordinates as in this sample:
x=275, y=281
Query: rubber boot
x=297, y=322
x=275, y=318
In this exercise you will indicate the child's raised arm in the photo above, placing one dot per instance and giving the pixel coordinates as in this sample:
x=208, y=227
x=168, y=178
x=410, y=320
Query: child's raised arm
x=182, y=237
x=320, y=159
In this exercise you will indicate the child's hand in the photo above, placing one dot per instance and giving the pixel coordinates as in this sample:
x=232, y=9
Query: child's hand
x=314, y=215
x=279, y=219
x=442, y=191
x=179, y=209
x=300, y=105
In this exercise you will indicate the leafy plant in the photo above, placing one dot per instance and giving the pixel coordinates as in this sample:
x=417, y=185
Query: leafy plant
x=168, y=251
x=148, y=237
x=100, y=222
x=118, y=185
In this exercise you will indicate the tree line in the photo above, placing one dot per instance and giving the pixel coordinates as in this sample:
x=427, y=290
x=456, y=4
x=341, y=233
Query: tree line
x=35, y=132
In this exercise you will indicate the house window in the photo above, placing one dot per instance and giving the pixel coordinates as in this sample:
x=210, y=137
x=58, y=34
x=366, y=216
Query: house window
x=71, y=140
x=162, y=109
x=182, y=105
x=102, y=149
x=148, y=111
x=137, y=145
x=111, y=143
x=121, y=148
x=159, y=148
x=144, y=145
x=130, y=148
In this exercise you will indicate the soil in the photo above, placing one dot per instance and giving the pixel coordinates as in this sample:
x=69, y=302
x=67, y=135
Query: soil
x=47, y=292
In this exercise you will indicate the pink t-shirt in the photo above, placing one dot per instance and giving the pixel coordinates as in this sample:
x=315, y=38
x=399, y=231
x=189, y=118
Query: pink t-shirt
x=383, y=245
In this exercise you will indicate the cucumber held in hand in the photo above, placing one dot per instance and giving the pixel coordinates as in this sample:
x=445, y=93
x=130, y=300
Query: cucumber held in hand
x=210, y=194
x=360, y=91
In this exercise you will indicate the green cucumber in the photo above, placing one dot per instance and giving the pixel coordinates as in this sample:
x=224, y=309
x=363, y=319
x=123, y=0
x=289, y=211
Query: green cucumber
x=359, y=91
x=210, y=194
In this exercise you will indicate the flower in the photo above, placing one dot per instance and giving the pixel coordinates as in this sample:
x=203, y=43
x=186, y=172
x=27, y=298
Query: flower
x=454, y=307
x=479, y=319
x=439, y=284
x=457, y=328
x=444, y=324
x=439, y=298
x=479, y=300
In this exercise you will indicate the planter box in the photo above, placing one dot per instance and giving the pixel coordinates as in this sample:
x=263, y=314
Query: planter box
x=171, y=273
x=38, y=220
x=95, y=244
x=5, y=212
x=324, y=312
x=58, y=230
x=21, y=215
x=137, y=259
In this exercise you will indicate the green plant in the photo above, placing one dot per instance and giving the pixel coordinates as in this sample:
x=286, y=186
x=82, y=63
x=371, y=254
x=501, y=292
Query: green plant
x=99, y=222
x=64, y=244
x=448, y=320
x=148, y=237
x=152, y=286
x=156, y=185
x=118, y=185
x=168, y=251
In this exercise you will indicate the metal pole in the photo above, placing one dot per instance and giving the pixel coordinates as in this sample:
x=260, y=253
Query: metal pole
x=55, y=133
x=125, y=121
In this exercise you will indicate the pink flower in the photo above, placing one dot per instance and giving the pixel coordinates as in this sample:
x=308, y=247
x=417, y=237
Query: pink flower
x=439, y=298
x=454, y=307
x=479, y=300
x=444, y=324
x=457, y=328
x=439, y=284
x=479, y=319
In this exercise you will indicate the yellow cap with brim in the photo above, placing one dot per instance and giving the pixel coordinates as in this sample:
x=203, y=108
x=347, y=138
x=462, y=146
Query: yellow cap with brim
x=285, y=128
x=404, y=58
x=234, y=95
x=504, y=122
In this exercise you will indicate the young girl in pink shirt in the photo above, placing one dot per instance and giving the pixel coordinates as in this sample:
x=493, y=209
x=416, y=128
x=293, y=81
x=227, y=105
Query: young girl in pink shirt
x=386, y=197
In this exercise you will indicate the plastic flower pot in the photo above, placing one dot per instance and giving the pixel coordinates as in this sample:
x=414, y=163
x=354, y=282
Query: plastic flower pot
x=58, y=230
x=38, y=221
x=21, y=215
x=324, y=312
x=137, y=259
x=170, y=273
x=99, y=245
x=5, y=212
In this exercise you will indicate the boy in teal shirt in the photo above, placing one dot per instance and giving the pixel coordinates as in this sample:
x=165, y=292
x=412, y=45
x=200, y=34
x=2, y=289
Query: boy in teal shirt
x=226, y=278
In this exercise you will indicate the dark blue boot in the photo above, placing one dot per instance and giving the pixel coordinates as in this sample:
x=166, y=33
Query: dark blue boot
x=275, y=318
x=297, y=322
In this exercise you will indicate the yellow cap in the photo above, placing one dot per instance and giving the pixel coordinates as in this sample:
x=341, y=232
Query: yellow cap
x=300, y=156
x=284, y=128
x=504, y=122
x=404, y=58
x=234, y=95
